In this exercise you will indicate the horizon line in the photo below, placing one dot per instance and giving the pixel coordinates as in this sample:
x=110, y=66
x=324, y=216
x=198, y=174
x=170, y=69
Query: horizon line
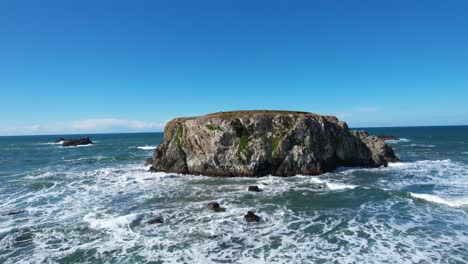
x=151, y=132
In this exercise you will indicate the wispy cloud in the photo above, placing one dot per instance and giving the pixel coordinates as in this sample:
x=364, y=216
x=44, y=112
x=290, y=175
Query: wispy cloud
x=104, y=124
x=92, y=125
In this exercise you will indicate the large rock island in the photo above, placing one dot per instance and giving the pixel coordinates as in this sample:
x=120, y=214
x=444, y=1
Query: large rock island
x=258, y=143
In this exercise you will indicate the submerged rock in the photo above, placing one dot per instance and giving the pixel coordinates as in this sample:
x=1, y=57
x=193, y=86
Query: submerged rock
x=251, y=217
x=253, y=189
x=16, y=212
x=258, y=143
x=75, y=142
x=156, y=220
x=214, y=206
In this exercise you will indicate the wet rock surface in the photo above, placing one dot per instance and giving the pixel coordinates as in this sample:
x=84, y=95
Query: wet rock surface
x=253, y=188
x=251, y=217
x=74, y=142
x=214, y=206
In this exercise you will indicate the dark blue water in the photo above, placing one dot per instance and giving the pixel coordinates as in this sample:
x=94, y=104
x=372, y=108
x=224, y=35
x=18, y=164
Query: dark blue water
x=91, y=204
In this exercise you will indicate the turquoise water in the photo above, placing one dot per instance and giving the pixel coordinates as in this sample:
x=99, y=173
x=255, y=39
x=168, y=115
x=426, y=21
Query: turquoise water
x=90, y=204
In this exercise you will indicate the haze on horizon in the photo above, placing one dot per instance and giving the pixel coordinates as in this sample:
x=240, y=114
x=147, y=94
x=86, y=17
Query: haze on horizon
x=122, y=66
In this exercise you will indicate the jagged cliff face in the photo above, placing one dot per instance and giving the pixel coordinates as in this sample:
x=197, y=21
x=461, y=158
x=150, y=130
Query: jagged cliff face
x=258, y=143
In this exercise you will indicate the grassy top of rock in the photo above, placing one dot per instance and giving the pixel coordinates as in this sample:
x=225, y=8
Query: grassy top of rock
x=242, y=113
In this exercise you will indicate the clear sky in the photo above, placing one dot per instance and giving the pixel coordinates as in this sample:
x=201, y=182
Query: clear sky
x=118, y=66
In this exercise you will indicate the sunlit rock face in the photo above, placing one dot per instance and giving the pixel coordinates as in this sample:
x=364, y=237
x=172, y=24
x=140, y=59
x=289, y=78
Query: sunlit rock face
x=258, y=143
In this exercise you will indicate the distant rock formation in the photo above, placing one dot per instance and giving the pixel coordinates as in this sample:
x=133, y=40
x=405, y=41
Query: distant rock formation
x=258, y=143
x=74, y=142
x=386, y=137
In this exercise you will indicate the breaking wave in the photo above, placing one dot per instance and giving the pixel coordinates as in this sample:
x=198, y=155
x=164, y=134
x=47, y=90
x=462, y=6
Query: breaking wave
x=147, y=147
x=437, y=199
x=396, y=141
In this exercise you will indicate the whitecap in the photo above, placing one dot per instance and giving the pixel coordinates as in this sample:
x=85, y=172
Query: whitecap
x=147, y=147
x=339, y=186
x=333, y=185
x=437, y=199
x=79, y=146
x=52, y=143
x=422, y=145
x=110, y=223
x=465, y=153
x=395, y=141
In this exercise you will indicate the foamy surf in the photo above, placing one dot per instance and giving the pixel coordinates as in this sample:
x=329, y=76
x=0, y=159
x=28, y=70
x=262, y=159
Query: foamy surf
x=332, y=185
x=147, y=147
x=52, y=143
x=437, y=199
x=422, y=145
x=110, y=222
x=87, y=209
x=395, y=141
x=79, y=146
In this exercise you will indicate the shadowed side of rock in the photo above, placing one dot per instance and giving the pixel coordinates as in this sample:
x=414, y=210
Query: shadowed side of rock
x=258, y=143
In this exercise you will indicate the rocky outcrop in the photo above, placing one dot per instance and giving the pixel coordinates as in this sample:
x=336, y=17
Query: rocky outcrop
x=75, y=142
x=258, y=143
x=253, y=188
x=214, y=206
x=156, y=220
x=251, y=217
x=386, y=137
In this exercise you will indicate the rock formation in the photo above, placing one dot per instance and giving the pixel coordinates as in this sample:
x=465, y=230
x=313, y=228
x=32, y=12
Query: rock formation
x=386, y=137
x=253, y=188
x=214, y=206
x=258, y=143
x=74, y=142
x=251, y=217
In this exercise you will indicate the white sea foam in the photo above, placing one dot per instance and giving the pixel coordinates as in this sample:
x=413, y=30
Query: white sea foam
x=395, y=141
x=422, y=145
x=112, y=200
x=437, y=199
x=78, y=146
x=332, y=185
x=465, y=153
x=52, y=143
x=147, y=147
x=111, y=222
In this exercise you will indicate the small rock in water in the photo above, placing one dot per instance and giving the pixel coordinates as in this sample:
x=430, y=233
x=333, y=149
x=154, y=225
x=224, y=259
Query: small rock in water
x=253, y=189
x=251, y=217
x=16, y=212
x=75, y=142
x=59, y=140
x=156, y=220
x=214, y=206
x=152, y=169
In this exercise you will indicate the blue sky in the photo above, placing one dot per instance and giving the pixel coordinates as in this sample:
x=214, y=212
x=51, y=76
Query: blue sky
x=118, y=66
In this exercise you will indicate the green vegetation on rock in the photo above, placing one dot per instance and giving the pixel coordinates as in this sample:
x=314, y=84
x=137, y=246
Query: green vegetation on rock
x=178, y=137
x=275, y=142
x=213, y=127
x=243, y=134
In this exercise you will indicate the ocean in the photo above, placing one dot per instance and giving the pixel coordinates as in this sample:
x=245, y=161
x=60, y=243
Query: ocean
x=92, y=204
